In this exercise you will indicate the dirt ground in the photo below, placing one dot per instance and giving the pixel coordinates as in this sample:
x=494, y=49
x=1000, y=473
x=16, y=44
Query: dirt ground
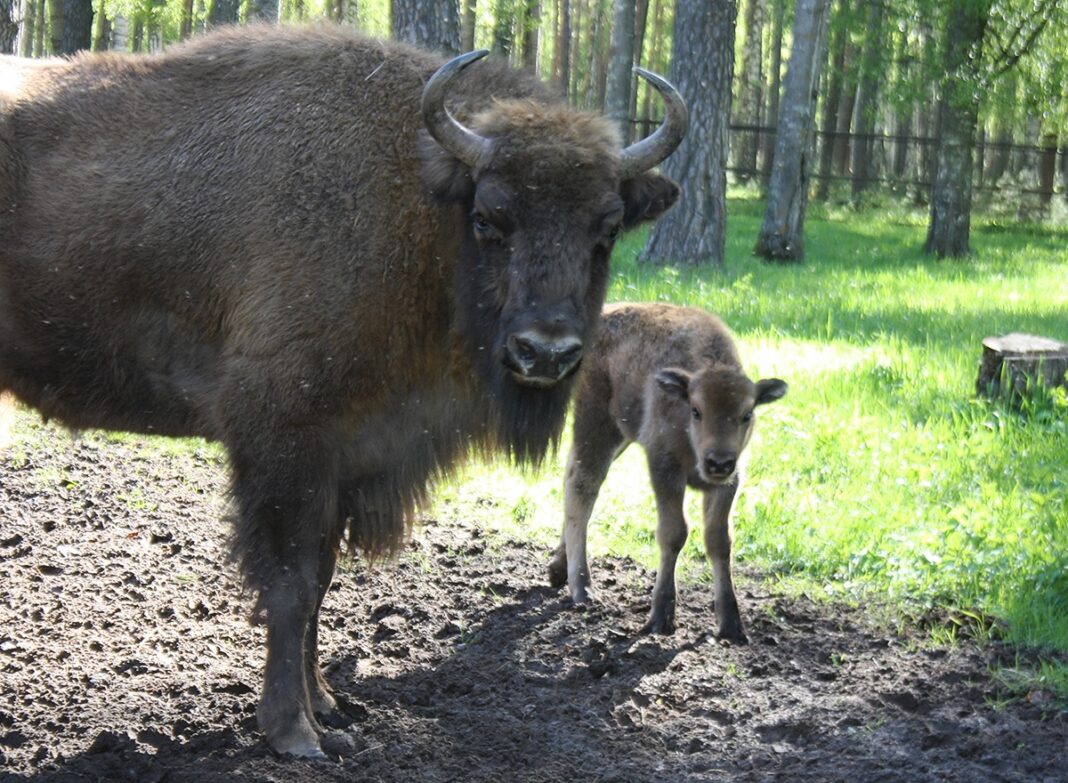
x=126, y=655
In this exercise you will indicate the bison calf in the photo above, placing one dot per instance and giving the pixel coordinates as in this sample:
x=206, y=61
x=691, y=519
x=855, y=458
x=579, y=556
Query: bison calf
x=670, y=379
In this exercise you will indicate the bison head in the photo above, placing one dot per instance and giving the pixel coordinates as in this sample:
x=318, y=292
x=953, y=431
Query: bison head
x=542, y=191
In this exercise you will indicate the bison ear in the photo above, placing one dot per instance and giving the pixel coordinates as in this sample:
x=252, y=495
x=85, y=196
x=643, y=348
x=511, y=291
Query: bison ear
x=446, y=177
x=769, y=390
x=675, y=382
x=647, y=197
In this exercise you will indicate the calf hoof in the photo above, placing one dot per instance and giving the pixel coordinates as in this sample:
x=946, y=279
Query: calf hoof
x=558, y=570
x=659, y=624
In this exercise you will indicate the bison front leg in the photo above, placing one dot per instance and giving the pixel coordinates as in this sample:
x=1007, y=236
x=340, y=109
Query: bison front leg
x=286, y=538
x=718, y=538
x=669, y=486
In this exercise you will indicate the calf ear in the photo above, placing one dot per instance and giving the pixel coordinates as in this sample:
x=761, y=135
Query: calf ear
x=675, y=382
x=647, y=197
x=446, y=178
x=769, y=390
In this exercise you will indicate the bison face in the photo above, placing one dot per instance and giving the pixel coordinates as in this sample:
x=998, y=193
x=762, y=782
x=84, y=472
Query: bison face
x=538, y=240
x=540, y=192
x=722, y=401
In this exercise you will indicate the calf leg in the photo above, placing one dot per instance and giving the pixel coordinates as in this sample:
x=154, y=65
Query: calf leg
x=596, y=443
x=286, y=537
x=669, y=486
x=718, y=535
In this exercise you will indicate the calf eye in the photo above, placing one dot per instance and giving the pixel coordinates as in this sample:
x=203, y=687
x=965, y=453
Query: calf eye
x=747, y=418
x=696, y=414
x=481, y=226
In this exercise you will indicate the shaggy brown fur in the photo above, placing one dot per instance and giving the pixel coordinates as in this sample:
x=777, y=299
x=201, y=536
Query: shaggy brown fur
x=251, y=238
x=670, y=379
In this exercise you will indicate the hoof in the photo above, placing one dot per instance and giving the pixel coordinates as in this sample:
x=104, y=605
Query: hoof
x=583, y=596
x=734, y=637
x=323, y=703
x=731, y=631
x=298, y=739
x=301, y=750
x=662, y=626
x=557, y=572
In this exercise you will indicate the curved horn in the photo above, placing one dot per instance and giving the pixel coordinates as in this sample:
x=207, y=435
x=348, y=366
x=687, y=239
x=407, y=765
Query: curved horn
x=462, y=142
x=643, y=155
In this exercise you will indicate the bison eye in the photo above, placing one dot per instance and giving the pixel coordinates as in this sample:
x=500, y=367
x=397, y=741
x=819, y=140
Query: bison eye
x=696, y=414
x=484, y=229
x=747, y=418
x=613, y=232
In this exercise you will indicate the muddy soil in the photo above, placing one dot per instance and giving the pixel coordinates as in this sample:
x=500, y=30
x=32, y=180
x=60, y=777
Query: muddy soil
x=125, y=654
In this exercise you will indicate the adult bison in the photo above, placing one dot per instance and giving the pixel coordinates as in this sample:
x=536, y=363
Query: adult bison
x=254, y=238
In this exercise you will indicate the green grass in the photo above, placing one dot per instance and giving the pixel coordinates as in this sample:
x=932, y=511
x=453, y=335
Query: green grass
x=880, y=474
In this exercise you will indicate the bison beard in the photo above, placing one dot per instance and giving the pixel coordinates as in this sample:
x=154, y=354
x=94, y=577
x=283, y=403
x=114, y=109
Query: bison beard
x=282, y=239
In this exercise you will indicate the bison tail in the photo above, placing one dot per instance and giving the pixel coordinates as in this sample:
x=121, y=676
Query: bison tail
x=7, y=418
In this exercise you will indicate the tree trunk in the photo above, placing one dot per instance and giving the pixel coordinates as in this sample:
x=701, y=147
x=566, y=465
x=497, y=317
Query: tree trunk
x=9, y=26
x=620, y=63
x=867, y=92
x=702, y=65
x=774, y=88
x=503, y=27
x=654, y=59
x=829, y=122
x=781, y=236
x=72, y=26
x=575, y=52
x=260, y=10
x=28, y=28
x=902, y=116
x=186, y=28
x=951, y=198
x=750, y=93
x=40, y=15
x=102, y=30
x=222, y=12
x=1064, y=172
x=563, y=46
x=1047, y=169
x=467, y=29
x=431, y=25
x=999, y=154
x=641, y=17
x=844, y=121
x=531, y=34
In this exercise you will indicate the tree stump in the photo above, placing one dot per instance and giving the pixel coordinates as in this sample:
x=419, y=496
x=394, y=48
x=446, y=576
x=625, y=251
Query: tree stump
x=1013, y=363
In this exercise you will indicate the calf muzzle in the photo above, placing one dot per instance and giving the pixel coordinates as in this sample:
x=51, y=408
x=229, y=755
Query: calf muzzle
x=719, y=466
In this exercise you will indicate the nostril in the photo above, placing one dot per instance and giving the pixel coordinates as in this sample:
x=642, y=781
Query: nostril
x=719, y=467
x=526, y=351
x=570, y=355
